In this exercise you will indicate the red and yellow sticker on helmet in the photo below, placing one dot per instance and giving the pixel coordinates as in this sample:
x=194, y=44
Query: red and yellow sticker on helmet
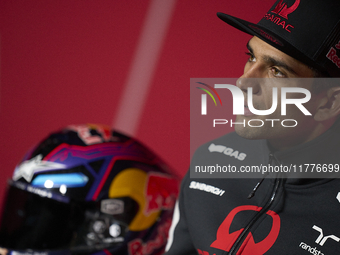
x=152, y=191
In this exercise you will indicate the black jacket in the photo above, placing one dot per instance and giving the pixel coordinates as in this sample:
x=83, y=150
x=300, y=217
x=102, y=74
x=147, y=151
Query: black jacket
x=288, y=214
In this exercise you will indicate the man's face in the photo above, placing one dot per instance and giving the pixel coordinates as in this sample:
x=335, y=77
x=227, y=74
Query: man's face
x=267, y=62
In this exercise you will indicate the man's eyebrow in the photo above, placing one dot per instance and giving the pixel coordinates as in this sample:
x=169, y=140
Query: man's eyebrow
x=272, y=61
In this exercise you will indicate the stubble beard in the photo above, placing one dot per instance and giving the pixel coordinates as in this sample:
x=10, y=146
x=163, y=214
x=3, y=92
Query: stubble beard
x=252, y=133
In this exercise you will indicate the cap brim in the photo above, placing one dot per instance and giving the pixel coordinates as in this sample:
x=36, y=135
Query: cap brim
x=252, y=29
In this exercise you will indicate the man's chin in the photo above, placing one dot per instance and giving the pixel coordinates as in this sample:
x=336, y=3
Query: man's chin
x=252, y=133
x=243, y=132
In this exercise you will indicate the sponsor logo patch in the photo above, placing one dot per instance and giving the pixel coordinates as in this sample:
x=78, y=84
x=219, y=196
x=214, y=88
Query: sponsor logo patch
x=227, y=151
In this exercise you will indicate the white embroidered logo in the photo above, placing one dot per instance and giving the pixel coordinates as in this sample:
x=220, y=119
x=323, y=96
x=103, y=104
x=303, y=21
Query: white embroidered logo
x=322, y=239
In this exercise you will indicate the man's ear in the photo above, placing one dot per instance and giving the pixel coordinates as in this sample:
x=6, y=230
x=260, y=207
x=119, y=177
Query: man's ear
x=329, y=106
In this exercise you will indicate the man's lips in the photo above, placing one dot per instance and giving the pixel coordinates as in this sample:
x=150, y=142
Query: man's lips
x=247, y=112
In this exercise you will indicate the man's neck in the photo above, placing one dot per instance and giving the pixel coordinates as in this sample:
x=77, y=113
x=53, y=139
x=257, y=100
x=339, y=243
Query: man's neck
x=284, y=144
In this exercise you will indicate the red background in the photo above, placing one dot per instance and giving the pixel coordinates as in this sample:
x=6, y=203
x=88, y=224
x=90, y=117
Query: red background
x=66, y=62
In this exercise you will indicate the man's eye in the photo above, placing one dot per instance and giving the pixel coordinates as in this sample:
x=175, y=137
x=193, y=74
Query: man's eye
x=277, y=73
x=251, y=57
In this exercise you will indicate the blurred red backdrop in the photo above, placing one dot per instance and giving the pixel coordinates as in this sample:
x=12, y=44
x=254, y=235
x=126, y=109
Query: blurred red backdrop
x=67, y=62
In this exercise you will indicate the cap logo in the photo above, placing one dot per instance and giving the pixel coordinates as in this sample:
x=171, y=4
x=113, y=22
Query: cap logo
x=282, y=9
x=332, y=56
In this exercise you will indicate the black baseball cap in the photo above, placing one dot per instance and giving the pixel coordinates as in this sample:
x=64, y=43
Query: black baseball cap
x=307, y=30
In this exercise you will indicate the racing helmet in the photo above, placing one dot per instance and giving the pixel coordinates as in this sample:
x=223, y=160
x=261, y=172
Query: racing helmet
x=87, y=189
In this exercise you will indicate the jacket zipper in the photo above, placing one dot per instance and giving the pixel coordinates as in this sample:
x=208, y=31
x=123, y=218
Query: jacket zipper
x=236, y=246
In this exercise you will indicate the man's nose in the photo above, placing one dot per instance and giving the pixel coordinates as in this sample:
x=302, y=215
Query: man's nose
x=250, y=78
x=245, y=83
